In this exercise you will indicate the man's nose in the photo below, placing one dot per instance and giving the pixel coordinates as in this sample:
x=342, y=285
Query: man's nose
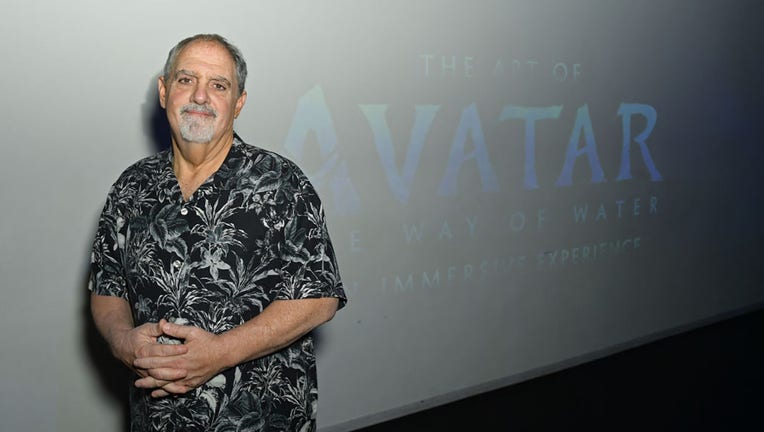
x=200, y=95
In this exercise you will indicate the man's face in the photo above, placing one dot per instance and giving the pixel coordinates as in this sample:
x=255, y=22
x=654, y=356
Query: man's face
x=201, y=94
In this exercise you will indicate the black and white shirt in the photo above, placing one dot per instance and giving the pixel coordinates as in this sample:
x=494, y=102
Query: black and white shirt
x=253, y=233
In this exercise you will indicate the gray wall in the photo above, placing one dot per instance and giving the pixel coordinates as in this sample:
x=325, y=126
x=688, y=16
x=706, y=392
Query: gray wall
x=457, y=217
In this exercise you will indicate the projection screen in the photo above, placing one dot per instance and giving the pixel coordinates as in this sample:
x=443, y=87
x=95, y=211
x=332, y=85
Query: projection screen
x=512, y=187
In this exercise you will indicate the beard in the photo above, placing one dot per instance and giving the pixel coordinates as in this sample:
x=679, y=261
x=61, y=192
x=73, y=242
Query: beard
x=196, y=128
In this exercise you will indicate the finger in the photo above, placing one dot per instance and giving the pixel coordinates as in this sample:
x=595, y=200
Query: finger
x=167, y=374
x=163, y=350
x=178, y=331
x=171, y=362
x=151, y=329
x=157, y=327
x=160, y=350
x=159, y=393
x=176, y=388
x=150, y=383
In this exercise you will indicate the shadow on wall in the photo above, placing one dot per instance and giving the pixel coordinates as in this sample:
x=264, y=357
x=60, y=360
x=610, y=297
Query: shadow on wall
x=113, y=376
x=155, y=126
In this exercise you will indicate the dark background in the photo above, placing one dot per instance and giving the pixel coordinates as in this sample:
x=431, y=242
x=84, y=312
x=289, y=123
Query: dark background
x=707, y=379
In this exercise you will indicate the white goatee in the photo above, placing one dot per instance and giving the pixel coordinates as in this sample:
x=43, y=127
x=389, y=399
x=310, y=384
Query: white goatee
x=196, y=128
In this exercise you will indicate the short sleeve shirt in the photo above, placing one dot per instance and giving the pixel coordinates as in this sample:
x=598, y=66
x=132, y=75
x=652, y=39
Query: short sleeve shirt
x=252, y=233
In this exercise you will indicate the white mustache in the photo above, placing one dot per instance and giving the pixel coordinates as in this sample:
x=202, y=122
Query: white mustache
x=199, y=108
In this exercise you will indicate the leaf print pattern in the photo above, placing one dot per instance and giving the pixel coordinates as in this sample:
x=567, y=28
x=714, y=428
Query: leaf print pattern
x=254, y=232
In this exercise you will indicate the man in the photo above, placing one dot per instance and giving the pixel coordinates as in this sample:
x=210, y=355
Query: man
x=212, y=264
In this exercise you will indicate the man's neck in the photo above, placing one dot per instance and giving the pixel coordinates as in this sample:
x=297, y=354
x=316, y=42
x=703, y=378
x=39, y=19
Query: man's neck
x=194, y=162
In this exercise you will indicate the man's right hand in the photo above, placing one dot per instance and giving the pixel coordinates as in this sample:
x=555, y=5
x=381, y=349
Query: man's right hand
x=114, y=321
x=138, y=342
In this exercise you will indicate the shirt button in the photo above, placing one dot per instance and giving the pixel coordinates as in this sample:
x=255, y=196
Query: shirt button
x=184, y=211
x=177, y=264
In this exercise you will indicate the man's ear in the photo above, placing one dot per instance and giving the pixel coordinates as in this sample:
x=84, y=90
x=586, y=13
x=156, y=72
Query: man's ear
x=240, y=104
x=162, y=91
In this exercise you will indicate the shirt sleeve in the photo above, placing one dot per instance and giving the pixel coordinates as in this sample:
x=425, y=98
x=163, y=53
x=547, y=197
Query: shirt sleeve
x=308, y=262
x=107, y=276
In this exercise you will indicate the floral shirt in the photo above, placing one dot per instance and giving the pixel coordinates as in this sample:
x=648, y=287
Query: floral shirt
x=253, y=233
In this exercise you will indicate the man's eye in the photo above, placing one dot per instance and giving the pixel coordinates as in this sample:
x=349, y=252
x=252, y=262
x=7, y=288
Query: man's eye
x=220, y=87
x=184, y=80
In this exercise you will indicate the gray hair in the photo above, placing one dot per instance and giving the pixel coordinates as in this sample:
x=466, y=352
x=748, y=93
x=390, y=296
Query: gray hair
x=238, y=59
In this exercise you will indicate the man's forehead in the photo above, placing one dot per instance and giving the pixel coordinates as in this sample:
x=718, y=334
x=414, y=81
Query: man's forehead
x=206, y=53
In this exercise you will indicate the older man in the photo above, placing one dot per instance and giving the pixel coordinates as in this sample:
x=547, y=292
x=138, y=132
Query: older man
x=212, y=264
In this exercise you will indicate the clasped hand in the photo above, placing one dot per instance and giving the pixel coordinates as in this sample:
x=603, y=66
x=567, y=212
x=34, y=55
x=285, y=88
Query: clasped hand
x=176, y=369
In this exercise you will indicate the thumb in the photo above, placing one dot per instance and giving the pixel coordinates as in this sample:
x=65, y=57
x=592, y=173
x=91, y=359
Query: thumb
x=175, y=330
x=152, y=329
x=157, y=328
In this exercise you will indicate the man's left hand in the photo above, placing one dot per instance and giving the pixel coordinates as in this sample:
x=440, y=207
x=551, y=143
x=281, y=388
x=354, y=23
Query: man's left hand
x=202, y=361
